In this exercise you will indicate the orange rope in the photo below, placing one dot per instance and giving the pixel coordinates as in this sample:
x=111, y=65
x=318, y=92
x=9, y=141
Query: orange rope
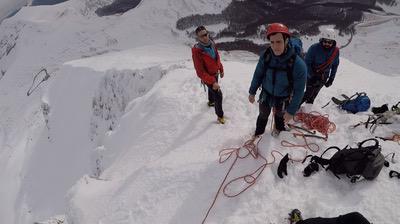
x=316, y=121
x=394, y=138
x=311, y=121
x=251, y=148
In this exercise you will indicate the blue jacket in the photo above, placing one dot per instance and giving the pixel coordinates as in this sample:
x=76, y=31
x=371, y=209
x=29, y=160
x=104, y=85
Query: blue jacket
x=318, y=55
x=263, y=76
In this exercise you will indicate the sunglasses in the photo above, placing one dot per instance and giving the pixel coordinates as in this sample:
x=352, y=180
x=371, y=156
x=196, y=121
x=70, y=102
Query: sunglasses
x=326, y=41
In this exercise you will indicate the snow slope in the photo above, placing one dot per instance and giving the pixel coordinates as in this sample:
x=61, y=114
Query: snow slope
x=9, y=6
x=120, y=132
x=167, y=171
x=33, y=141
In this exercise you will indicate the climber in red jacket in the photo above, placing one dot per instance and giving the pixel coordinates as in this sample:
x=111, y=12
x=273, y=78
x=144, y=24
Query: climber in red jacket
x=209, y=68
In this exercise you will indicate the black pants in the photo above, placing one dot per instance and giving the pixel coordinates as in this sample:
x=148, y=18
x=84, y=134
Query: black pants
x=351, y=218
x=279, y=105
x=314, y=85
x=215, y=96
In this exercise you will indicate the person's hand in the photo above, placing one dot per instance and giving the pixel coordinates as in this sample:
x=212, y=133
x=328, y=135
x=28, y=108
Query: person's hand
x=215, y=86
x=287, y=117
x=252, y=98
x=221, y=75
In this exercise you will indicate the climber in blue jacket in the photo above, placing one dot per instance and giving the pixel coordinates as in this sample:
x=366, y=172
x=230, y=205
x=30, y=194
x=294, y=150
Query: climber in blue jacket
x=281, y=74
x=322, y=61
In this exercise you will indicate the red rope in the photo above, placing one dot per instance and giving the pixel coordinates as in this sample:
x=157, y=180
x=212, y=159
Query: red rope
x=311, y=121
x=251, y=148
x=316, y=121
x=322, y=67
x=394, y=138
x=307, y=145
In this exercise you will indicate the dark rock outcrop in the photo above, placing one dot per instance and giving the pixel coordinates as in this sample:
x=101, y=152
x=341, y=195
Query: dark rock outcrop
x=117, y=7
x=246, y=17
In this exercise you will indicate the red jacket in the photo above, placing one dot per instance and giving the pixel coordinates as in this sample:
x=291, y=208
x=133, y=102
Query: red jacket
x=206, y=67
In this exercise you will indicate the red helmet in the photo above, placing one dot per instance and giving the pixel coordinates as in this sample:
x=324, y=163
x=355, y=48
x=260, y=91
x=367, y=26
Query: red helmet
x=277, y=28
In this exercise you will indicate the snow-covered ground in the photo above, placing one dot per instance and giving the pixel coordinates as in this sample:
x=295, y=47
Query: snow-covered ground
x=7, y=7
x=168, y=171
x=121, y=133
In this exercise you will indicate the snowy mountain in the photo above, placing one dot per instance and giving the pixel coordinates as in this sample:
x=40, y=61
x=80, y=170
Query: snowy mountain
x=104, y=121
x=7, y=7
x=10, y=7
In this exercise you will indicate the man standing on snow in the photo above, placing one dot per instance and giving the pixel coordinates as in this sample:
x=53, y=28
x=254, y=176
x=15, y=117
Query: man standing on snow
x=282, y=75
x=322, y=61
x=208, y=67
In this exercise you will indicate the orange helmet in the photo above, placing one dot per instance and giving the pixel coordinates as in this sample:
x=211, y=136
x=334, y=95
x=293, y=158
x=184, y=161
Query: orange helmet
x=277, y=28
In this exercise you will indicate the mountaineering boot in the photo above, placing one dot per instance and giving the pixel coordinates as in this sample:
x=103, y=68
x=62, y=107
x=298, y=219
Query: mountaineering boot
x=275, y=133
x=221, y=120
x=210, y=104
x=295, y=216
x=254, y=137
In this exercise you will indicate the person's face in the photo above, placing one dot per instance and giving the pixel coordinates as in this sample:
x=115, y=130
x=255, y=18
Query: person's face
x=327, y=43
x=203, y=36
x=277, y=43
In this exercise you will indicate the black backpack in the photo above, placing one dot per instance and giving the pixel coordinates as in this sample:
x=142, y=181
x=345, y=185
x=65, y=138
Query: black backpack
x=366, y=161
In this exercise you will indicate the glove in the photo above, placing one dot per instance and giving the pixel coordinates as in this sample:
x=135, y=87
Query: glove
x=311, y=168
x=380, y=110
x=329, y=83
x=282, y=168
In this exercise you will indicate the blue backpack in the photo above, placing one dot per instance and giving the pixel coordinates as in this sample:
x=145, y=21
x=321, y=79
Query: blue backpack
x=359, y=102
x=297, y=45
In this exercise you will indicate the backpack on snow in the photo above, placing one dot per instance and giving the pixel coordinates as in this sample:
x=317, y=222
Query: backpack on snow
x=297, y=45
x=365, y=161
x=357, y=103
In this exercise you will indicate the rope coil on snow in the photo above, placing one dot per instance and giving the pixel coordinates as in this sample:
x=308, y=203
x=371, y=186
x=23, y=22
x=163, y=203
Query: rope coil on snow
x=251, y=148
x=316, y=121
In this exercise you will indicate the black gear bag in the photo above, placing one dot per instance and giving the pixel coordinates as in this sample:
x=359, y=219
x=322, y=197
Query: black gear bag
x=364, y=161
